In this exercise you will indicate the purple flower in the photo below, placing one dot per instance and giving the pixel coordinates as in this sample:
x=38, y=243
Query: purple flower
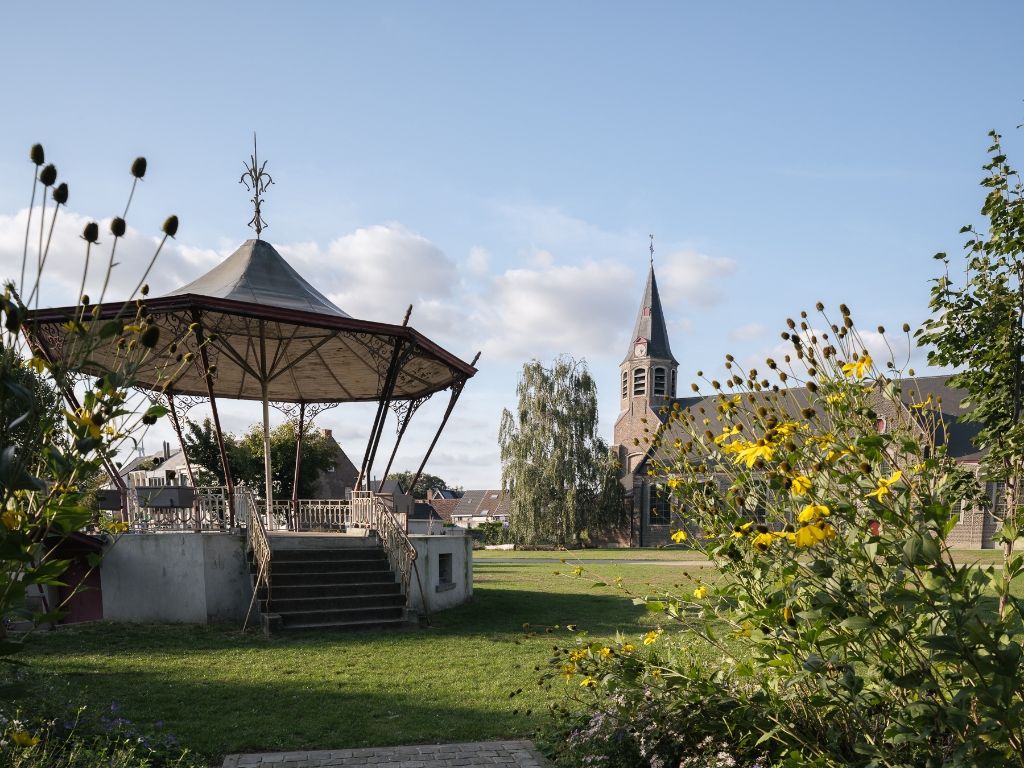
x=115, y=707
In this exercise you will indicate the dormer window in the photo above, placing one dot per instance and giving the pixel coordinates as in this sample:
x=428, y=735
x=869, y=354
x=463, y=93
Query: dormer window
x=659, y=381
x=639, y=381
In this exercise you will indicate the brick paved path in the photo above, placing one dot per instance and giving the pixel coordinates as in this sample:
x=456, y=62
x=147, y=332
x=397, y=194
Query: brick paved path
x=476, y=755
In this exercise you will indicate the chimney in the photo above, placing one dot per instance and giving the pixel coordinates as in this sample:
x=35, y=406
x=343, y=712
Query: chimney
x=167, y=450
x=328, y=435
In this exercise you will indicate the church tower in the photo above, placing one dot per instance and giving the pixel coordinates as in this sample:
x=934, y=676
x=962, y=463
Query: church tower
x=647, y=378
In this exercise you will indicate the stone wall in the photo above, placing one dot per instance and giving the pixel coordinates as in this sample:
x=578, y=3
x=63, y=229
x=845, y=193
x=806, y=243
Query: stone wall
x=194, y=578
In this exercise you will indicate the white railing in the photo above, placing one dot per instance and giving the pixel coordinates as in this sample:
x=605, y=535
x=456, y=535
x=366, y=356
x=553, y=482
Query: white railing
x=257, y=542
x=369, y=511
x=209, y=511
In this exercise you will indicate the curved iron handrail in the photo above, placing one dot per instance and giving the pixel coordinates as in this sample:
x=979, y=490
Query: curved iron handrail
x=256, y=539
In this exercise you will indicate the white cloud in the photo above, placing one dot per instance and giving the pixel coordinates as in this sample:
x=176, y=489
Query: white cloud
x=62, y=275
x=577, y=309
x=748, y=332
x=696, y=277
x=479, y=261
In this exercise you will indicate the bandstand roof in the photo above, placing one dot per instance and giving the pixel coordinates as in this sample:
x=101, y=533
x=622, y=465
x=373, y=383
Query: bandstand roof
x=265, y=325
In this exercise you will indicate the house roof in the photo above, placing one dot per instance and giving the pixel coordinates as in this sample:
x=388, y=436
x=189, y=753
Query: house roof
x=483, y=503
x=650, y=323
x=444, y=507
x=422, y=510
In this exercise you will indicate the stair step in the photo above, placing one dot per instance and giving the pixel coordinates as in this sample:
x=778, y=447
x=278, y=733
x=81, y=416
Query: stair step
x=298, y=604
x=348, y=553
x=315, y=579
x=326, y=566
x=349, y=625
x=336, y=616
x=293, y=591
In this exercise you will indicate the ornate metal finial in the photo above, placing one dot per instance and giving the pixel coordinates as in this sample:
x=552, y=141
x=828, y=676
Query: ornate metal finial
x=256, y=180
x=652, y=249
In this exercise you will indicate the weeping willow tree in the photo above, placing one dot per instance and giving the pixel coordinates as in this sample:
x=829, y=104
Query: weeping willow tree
x=560, y=474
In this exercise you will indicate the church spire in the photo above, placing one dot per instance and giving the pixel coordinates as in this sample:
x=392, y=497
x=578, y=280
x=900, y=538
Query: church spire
x=650, y=332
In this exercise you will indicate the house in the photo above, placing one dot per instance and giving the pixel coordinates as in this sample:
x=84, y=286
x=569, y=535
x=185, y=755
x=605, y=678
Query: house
x=476, y=507
x=647, y=392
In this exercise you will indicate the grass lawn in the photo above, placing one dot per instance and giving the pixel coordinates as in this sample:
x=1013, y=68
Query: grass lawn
x=603, y=553
x=220, y=691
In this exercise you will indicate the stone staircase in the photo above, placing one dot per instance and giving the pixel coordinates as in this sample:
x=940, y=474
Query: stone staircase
x=330, y=582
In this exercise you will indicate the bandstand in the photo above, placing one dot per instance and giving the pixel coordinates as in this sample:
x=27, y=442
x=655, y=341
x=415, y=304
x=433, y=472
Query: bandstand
x=253, y=328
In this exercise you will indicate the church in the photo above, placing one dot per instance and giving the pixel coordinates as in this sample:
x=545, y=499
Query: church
x=648, y=378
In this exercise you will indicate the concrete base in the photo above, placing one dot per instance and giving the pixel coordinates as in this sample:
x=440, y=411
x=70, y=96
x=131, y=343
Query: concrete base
x=441, y=595
x=195, y=578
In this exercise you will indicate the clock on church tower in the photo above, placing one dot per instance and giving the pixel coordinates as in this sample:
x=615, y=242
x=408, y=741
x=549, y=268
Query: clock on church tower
x=640, y=347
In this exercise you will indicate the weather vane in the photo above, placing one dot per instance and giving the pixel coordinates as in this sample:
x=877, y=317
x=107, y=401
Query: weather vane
x=652, y=249
x=256, y=180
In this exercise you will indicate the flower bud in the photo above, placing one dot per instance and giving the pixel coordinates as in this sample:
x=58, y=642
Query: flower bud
x=37, y=155
x=906, y=327
x=139, y=167
x=60, y=194
x=118, y=226
x=85, y=298
x=91, y=233
x=171, y=226
x=48, y=175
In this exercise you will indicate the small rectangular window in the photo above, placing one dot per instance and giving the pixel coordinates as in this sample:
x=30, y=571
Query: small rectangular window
x=659, y=381
x=625, y=384
x=639, y=381
x=444, y=573
x=661, y=506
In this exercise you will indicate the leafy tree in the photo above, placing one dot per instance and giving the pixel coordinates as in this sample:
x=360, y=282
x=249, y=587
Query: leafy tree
x=560, y=473
x=978, y=328
x=245, y=456
x=424, y=484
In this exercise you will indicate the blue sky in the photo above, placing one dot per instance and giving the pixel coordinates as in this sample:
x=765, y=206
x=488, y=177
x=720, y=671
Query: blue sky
x=500, y=165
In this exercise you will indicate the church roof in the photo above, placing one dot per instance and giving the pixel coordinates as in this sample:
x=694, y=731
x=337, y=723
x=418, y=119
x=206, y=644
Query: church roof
x=258, y=274
x=650, y=323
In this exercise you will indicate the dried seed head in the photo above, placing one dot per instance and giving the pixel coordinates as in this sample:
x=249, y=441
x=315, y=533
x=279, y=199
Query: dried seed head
x=118, y=226
x=36, y=154
x=144, y=290
x=91, y=233
x=820, y=307
x=906, y=327
x=844, y=309
x=170, y=227
x=60, y=194
x=150, y=336
x=48, y=175
x=881, y=329
x=139, y=167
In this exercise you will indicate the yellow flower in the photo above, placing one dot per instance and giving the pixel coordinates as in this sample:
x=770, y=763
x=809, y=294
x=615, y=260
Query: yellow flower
x=38, y=365
x=858, y=367
x=727, y=432
x=12, y=518
x=812, y=513
x=809, y=535
x=24, y=738
x=801, y=485
x=744, y=630
x=628, y=648
x=925, y=404
x=577, y=656
x=568, y=671
x=656, y=674
x=740, y=531
x=835, y=397
x=651, y=637
x=728, y=404
x=673, y=483
x=762, y=541
x=84, y=419
x=754, y=451
x=883, y=485
x=606, y=653
x=588, y=682
x=700, y=592
x=680, y=536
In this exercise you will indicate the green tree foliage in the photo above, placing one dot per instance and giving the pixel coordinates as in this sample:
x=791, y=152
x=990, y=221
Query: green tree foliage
x=978, y=328
x=424, y=484
x=559, y=472
x=245, y=455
